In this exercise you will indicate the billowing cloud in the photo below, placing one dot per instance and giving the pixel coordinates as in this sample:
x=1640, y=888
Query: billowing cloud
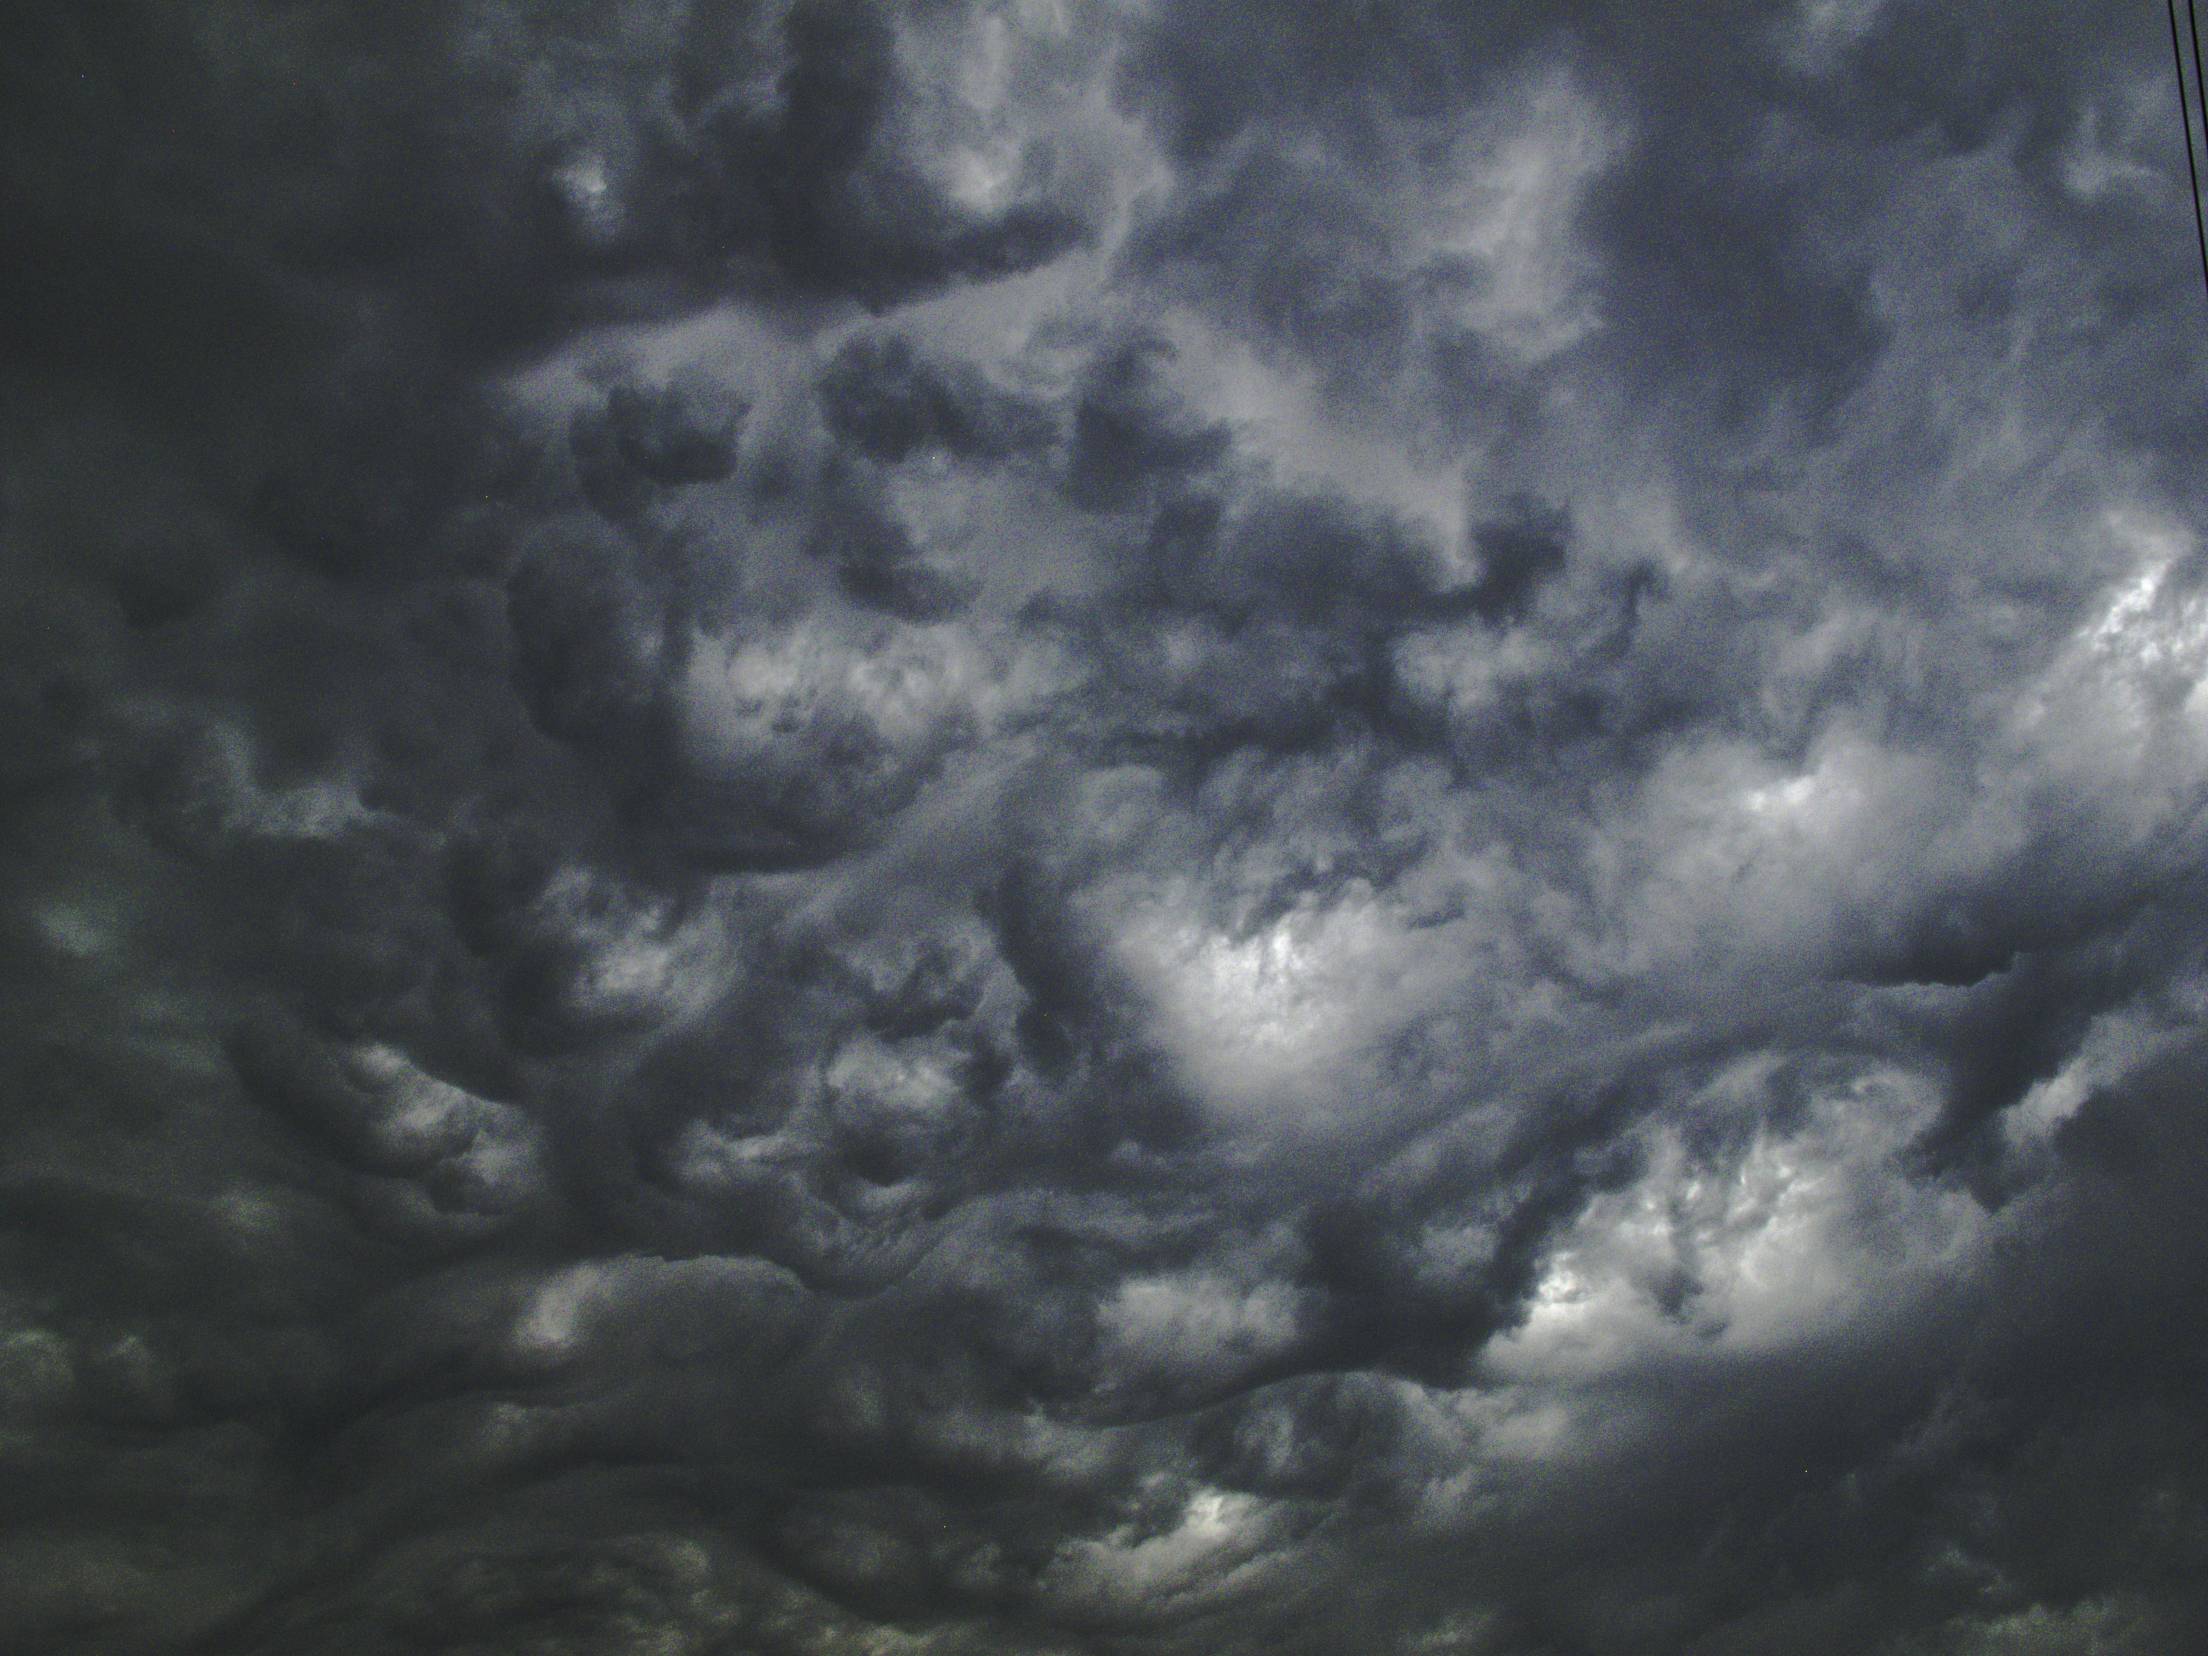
x=1051, y=826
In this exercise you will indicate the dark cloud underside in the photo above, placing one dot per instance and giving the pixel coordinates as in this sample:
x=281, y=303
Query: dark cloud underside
x=1062, y=826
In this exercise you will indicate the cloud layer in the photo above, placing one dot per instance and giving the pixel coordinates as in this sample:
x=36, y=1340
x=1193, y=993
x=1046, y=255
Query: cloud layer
x=1069, y=826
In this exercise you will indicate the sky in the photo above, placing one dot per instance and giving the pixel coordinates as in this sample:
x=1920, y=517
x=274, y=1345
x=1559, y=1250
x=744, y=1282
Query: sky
x=1101, y=828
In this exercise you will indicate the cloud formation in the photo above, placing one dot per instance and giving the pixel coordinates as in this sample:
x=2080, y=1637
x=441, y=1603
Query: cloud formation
x=1058, y=826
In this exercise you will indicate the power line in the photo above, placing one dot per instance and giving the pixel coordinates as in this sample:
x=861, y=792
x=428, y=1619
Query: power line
x=2185, y=114
x=2200, y=87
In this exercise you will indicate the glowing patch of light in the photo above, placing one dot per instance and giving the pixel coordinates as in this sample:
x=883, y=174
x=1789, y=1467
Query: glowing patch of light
x=1267, y=1019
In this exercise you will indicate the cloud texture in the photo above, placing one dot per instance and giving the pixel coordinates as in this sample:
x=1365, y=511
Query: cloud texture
x=1125, y=827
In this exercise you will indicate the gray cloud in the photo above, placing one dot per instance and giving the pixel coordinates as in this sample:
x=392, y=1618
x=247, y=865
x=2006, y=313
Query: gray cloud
x=1072, y=828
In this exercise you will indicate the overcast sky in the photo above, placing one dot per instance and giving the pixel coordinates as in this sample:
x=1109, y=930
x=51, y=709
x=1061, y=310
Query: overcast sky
x=1101, y=828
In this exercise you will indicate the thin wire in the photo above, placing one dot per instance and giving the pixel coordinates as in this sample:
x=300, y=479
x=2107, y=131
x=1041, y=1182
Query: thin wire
x=2185, y=114
x=2200, y=87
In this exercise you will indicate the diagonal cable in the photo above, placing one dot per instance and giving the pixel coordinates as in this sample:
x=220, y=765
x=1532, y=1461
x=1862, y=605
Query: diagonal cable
x=2200, y=86
x=2184, y=110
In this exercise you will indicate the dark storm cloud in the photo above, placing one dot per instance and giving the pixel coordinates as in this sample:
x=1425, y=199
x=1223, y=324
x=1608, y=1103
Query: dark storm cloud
x=1053, y=827
x=886, y=400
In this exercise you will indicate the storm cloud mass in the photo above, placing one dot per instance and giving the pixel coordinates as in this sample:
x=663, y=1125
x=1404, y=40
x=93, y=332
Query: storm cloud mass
x=1101, y=828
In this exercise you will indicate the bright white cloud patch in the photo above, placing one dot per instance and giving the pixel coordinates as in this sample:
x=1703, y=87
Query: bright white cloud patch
x=1770, y=1246
x=1280, y=1025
